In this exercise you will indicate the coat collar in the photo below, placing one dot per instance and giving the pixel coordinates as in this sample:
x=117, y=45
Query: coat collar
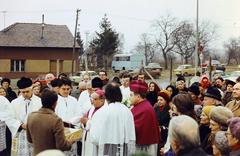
x=46, y=111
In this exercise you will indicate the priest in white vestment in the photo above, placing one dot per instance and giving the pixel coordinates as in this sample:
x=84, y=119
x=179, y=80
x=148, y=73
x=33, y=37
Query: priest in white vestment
x=98, y=100
x=25, y=104
x=84, y=100
x=67, y=107
x=7, y=116
x=112, y=129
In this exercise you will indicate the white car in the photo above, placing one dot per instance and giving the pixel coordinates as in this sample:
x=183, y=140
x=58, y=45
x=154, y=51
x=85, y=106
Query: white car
x=233, y=76
x=78, y=77
x=153, y=66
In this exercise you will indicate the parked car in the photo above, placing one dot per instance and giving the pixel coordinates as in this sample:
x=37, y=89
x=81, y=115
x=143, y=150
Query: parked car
x=78, y=76
x=41, y=79
x=216, y=64
x=185, y=69
x=233, y=76
x=154, y=69
x=219, y=73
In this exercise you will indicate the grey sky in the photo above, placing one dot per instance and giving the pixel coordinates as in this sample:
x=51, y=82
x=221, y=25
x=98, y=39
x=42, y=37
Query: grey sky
x=129, y=17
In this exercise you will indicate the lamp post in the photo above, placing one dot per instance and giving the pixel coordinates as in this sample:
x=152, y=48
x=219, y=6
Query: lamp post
x=197, y=41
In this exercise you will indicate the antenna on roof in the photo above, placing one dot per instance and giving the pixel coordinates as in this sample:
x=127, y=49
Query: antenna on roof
x=4, y=18
x=43, y=24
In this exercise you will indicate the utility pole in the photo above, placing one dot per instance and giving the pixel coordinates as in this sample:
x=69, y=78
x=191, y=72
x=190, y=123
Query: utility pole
x=197, y=41
x=74, y=41
x=85, y=58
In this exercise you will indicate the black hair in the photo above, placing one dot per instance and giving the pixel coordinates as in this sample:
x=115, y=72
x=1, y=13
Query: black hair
x=55, y=82
x=64, y=81
x=142, y=95
x=48, y=97
x=62, y=75
x=126, y=75
x=116, y=80
x=97, y=83
x=113, y=93
x=104, y=71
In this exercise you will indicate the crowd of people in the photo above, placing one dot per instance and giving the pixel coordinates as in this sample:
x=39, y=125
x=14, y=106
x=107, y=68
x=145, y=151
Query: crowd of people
x=120, y=116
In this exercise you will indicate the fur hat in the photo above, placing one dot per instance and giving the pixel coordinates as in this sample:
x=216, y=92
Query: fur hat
x=6, y=80
x=24, y=83
x=214, y=93
x=207, y=110
x=138, y=86
x=234, y=126
x=165, y=95
x=221, y=142
x=230, y=82
x=194, y=89
x=220, y=115
x=181, y=78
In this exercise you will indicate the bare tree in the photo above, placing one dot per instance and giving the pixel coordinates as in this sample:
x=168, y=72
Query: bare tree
x=146, y=47
x=185, y=40
x=232, y=50
x=165, y=29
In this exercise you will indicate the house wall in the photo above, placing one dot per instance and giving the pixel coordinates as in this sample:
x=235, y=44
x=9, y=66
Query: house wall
x=67, y=66
x=37, y=66
x=4, y=65
x=37, y=60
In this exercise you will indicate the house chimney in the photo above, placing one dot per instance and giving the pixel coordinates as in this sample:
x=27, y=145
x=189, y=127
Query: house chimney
x=43, y=24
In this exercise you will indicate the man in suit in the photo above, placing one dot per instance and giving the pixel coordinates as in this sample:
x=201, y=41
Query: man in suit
x=44, y=128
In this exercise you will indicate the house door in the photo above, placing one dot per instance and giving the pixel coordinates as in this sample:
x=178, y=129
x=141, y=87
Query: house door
x=56, y=66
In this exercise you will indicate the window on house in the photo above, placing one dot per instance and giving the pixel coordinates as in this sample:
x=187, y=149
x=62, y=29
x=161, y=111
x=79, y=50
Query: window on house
x=17, y=65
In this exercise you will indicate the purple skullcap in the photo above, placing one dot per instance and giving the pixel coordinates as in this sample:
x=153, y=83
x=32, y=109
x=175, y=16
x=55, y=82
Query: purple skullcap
x=234, y=126
x=100, y=93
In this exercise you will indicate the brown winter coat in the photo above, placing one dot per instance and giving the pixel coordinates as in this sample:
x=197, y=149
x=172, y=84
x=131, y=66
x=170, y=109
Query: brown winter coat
x=45, y=130
x=234, y=106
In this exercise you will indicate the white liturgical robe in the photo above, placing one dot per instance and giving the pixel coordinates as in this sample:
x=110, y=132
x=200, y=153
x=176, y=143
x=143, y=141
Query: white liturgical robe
x=112, y=131
x=7, y=115
x=22, y=108
x=68, y=109
x=84, y=102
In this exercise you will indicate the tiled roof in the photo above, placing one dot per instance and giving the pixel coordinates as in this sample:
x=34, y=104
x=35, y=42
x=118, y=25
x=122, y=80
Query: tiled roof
x=29, y=35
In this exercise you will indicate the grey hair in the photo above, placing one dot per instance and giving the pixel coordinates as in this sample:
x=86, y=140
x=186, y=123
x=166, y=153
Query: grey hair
x=89, y=85
x=184, y=130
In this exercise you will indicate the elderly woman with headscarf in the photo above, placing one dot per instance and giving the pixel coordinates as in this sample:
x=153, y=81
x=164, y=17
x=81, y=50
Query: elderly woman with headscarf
x=220, y=144
x=152, y=93
x=218, y=121
x=204, y=129
x=233, y=135
x=162, y=111
x=204, y=83
x=172, y=90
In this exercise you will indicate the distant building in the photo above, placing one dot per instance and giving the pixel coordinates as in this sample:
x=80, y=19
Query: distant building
x=26, y=50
